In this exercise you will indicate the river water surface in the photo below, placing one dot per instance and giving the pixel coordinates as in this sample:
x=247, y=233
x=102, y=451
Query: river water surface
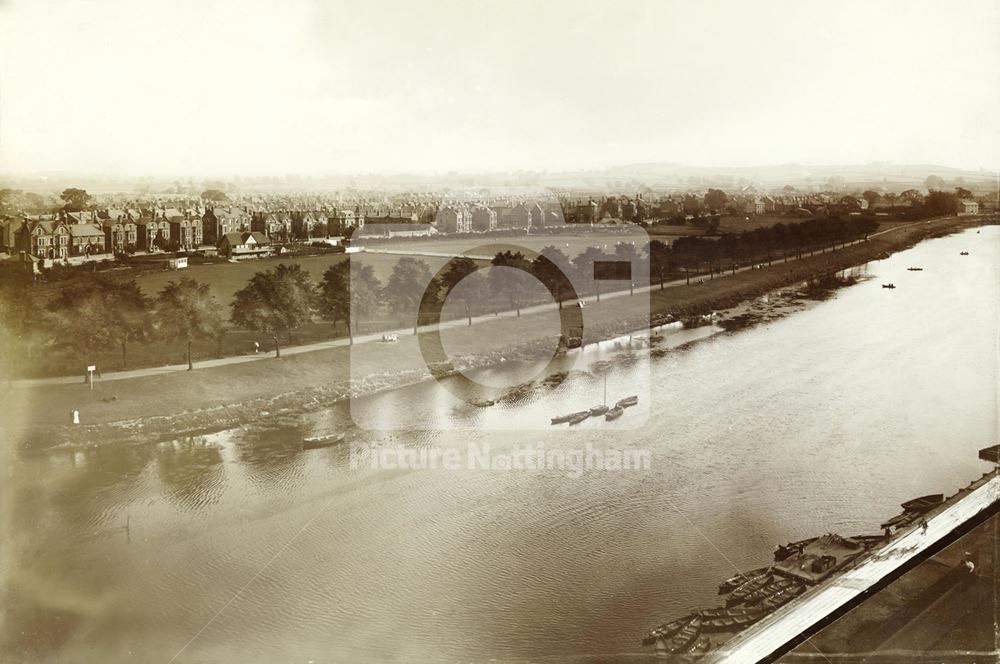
x=241, y=547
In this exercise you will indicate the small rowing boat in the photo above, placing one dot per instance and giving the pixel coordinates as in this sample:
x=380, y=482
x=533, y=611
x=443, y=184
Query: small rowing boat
x=685, y=638
x=732, y=583
x=569, y=418
x=579, y=417
x=627, y=401
x=316, y=442
x=666, y=630
x=614, y=413
x=597, y=411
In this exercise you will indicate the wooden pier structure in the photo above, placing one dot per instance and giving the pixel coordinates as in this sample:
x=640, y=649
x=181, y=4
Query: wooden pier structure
x=790, y=625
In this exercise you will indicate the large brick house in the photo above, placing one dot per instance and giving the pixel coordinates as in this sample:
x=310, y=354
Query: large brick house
x=152, y=234
x=217, y=222
x=483, y=219
x=44, y=238
x=86, y=240
x=121, y=234
x=452, y=220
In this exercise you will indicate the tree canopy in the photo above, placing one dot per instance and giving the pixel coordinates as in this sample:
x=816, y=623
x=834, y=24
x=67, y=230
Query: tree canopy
x=410, y=278
x=186, y=310
x=100, y=313
x=466, y=272
x=75, y=199
x=275, y=302
x=349, y=292
x=214, y=196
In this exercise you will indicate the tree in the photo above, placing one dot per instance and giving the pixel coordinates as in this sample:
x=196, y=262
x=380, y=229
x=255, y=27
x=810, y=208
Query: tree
x=463, y=271
x=715, y=200
x=584, y=264
x=962, y=192
x=214, y=196
x=349, y=291
x=934, y=182
x=659, y=259
x=101, y=313
x=275, y=302
x=75, y=199
x=626, y=252
x=129, y=313
x=410, y=278
x=78, y=316
x=872, y=197
x=940, y=203
x=552, y=267
x=187, y=311
x=22, y=327
x=511, y=277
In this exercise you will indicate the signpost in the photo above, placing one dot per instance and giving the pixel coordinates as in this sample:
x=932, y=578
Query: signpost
x=90, y=375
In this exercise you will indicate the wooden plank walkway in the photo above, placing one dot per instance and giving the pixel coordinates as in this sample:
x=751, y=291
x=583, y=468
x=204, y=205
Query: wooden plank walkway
x=774, y=634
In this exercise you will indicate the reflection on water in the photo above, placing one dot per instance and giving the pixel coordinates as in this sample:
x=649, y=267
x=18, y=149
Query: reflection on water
x=263, y=551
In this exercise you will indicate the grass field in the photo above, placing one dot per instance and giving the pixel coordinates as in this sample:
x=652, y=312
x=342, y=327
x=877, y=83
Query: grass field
x=226, y=278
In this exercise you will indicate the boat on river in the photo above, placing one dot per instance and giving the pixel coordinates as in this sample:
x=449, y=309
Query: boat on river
x=734, y=582
x=614, y=413
x=666, y=630
x=722, y=619
x=923, y=503
x=963, y=253
x=888, y=285
x=749, y=589
x=783, y=597
x=579, y=417
x=915, y=269
x=773, y=589
x=569, y=418
x=700, y=647
x=597, y=411
x=317, y=442
x=685, y=638
x=627, y=401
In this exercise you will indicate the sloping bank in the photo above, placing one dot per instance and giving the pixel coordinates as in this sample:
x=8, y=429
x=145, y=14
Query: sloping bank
x=146, y=408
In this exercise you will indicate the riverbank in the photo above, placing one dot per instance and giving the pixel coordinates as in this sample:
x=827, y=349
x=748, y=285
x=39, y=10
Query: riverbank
x=268, y=391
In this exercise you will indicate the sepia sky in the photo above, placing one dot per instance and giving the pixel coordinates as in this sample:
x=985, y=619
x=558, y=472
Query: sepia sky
x=202, y=87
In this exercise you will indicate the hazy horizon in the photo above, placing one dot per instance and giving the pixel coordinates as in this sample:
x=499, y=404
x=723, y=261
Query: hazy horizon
x=212, y=89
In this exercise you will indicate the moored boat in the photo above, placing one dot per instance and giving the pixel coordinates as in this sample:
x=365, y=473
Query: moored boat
x=316, y=442
x=732, y=583
x=781, y=598
x=597, y=411
x=700, y=647
x=614, y=413
x=567, y=418
x=686, y=637
x=923, y=503
x=915, y=269
x=888, y=285
x=748, y=589
x=666, y=630
x=579, y=417
x=627, y=401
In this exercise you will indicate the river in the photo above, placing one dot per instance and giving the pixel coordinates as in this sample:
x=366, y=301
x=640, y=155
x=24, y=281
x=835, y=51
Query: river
x=241, y=547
